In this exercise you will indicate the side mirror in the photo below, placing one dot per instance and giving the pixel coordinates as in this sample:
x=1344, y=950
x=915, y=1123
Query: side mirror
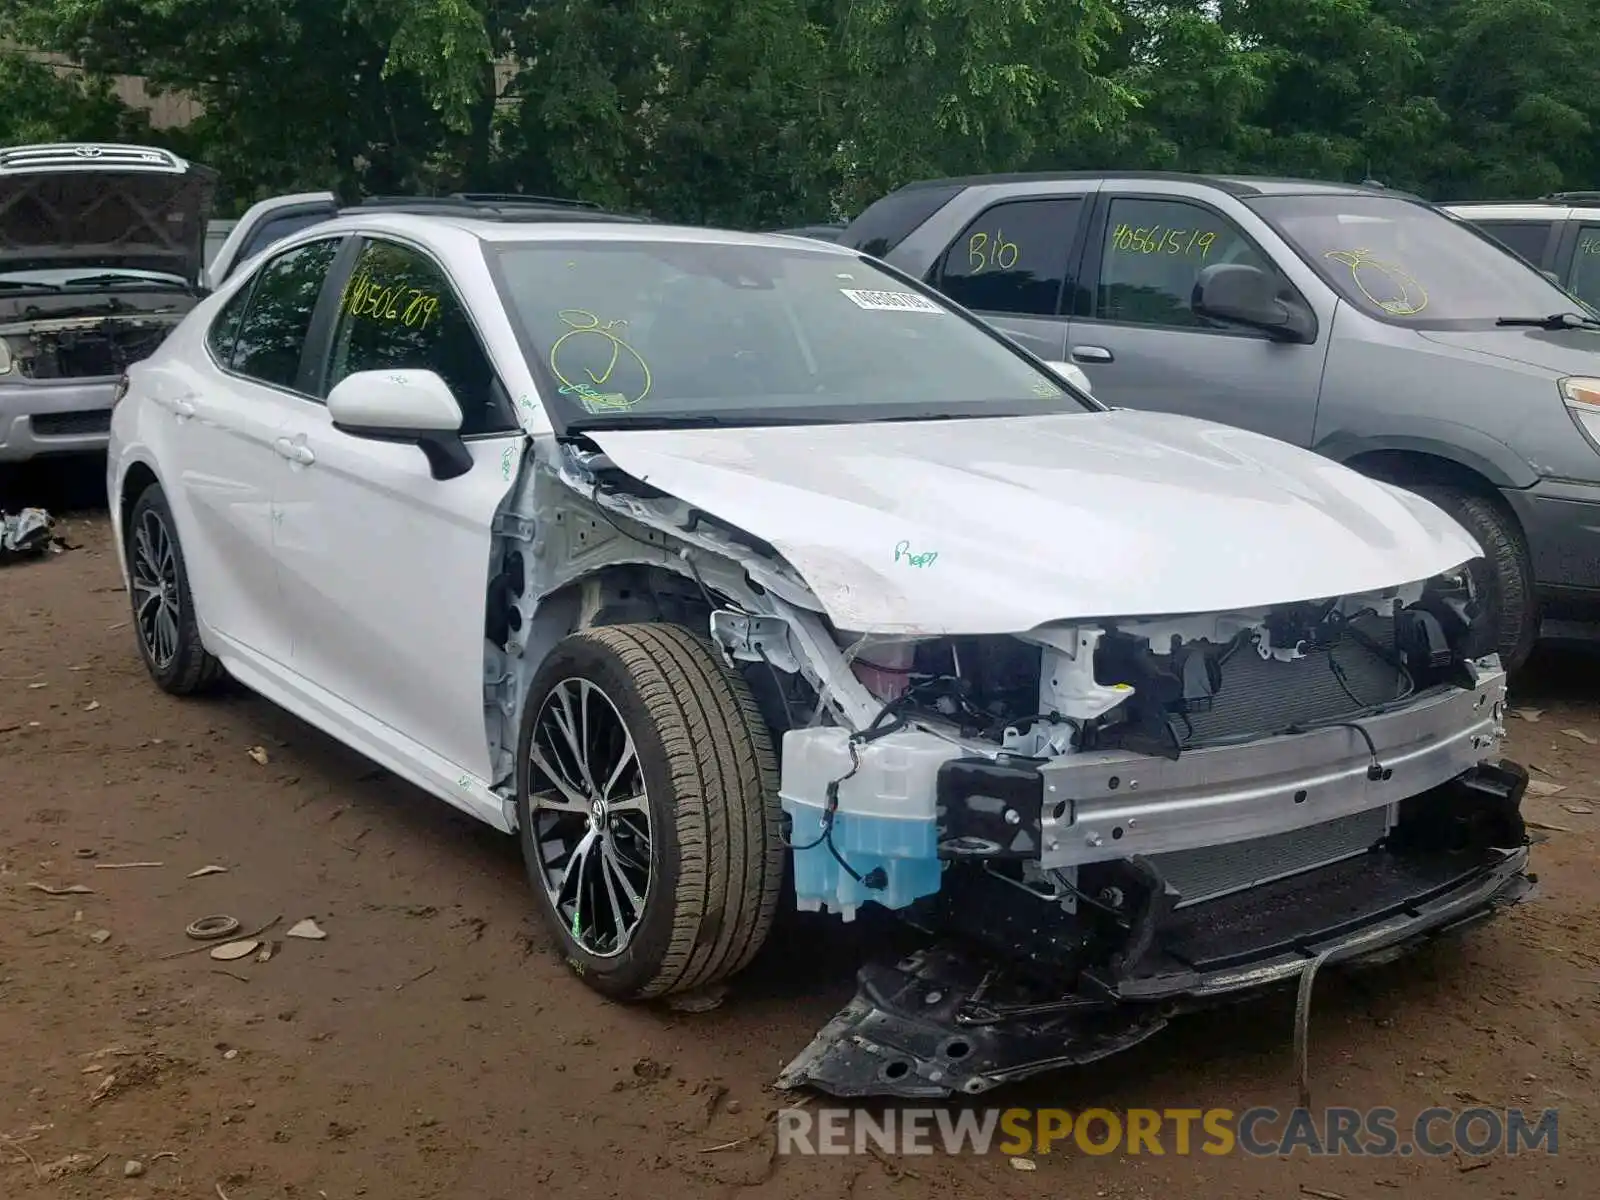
x=403, y=406
x=1073, y=374
x=1244, y=295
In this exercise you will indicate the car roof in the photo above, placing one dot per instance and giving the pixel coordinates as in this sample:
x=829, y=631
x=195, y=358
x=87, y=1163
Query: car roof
x=1237, y=185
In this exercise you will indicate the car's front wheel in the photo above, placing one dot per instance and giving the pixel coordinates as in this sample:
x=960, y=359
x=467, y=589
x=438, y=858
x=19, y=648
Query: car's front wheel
x=647, y=794
x=164, y=620
x=1503, y=577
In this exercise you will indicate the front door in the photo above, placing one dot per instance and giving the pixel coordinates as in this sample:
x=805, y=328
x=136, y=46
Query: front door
x=384, y=569
x=1143, y=346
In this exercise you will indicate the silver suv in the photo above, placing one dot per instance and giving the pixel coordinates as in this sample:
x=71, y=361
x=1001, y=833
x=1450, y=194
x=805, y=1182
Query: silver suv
x=101, y=250
x=1559, y=234
x=1364, y=323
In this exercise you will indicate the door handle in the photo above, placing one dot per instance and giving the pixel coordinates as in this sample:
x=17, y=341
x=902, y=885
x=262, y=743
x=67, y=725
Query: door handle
x=1098, y=354
x=295, y=452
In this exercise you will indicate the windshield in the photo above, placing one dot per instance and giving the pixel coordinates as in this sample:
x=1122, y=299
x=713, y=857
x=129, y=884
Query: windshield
x=1409, y=264
x=640, y=332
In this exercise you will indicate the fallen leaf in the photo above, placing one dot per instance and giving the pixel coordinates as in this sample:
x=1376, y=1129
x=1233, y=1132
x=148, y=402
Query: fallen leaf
x=74, y=889
x=211, y=870
x=1540, y=788
x=1581, y=736
x=229, y=951
x=307, y=929
x=259, y=753
x=91, y=706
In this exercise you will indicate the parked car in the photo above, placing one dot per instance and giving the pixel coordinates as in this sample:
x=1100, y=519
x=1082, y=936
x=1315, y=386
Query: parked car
x=101, y=251
x=275, y=218
x=1359, y=322
x=1560, y=235
x=826, y=232
x=715, y=566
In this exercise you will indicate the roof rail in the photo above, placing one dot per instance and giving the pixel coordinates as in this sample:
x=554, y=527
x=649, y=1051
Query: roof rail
x=492, y=206
x=1572, y=198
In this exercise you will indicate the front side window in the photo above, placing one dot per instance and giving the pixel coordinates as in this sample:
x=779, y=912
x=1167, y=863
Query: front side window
x=1586, y=266
x=1014, y=258
x=635, y=331
x=399, y=312
x=272, y=335
x=1405, y=262
x=1152, y=257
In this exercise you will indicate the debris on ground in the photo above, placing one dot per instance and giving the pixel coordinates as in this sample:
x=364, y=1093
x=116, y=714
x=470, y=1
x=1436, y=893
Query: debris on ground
x=307, y=929
x=208, y=870
x=132, y=1169
x=229, y=951
x=25, y=534
x=1538, y=787
x=207, y=929
x=1531, y=715
x=1587, y=739
x=73, y=889
x=259, y=753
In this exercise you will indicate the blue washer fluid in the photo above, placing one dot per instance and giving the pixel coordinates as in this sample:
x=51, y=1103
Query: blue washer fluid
x=886, y=817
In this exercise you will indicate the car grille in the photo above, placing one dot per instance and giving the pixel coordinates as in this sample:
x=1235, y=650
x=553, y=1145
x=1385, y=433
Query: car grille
x=69, y=424
x=1213, y=871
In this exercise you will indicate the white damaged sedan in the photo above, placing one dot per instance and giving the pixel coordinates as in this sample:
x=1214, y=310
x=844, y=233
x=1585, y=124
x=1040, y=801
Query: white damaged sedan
x=729, y=569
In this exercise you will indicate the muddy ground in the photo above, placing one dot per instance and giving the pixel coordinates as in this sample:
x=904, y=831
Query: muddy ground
x=430, y=1046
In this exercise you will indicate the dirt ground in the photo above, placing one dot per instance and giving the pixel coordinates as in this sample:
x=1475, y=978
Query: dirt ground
x=430, y=1046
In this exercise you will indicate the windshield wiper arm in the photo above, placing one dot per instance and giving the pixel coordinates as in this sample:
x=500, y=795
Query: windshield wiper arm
x=1560, y=320
x=131, y=280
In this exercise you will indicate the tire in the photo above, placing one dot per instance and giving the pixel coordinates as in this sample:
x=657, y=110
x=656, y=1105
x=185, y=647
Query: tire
x=1503, y=577
x=176, y=659
x=705, y=761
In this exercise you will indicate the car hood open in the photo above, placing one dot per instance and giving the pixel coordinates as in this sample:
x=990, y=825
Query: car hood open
x=1002, y=524
x=107, y=218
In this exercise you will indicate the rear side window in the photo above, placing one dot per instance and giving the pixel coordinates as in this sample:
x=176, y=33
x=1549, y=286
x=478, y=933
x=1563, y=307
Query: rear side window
x=399, y=311
x=1527, y=238
x=1153, y=254
x=1015, y=258
x=273, y=333
x=225, y=325
x=1586, y=266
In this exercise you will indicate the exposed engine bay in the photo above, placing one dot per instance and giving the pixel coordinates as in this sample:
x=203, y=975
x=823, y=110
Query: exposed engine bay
x=91, y=341
x=1096, y=823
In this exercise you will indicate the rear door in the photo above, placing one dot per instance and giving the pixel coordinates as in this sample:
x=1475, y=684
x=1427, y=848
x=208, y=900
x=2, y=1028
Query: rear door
x=1015, y=265
x=1142, y=345
x=227, y=419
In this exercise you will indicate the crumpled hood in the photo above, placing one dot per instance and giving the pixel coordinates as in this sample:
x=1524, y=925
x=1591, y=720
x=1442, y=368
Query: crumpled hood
x=999, y=525
x=1559, y=351
x=154, y=221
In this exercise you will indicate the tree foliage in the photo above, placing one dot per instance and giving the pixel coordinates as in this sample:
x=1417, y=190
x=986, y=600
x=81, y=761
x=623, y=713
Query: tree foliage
x=757, y=112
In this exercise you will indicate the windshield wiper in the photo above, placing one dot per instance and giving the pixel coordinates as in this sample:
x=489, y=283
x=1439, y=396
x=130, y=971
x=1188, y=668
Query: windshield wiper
x=1560, y=320
x=129, y=280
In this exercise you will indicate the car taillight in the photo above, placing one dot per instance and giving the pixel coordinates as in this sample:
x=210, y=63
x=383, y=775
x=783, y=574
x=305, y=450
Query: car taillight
x=121, y=390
